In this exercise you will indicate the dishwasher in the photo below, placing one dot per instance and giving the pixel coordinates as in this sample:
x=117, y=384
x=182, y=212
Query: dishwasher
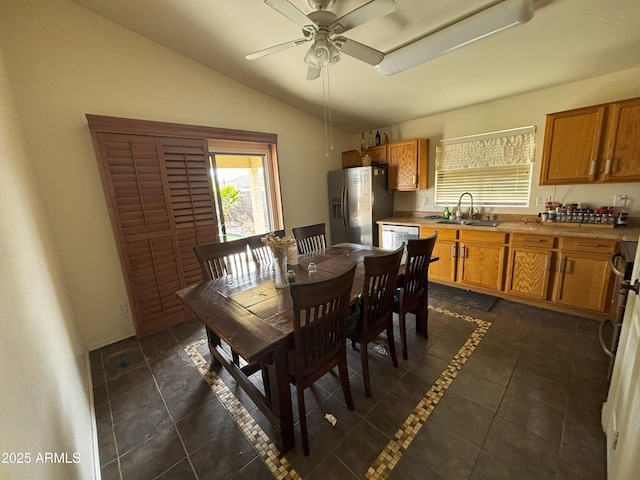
x=394, y=235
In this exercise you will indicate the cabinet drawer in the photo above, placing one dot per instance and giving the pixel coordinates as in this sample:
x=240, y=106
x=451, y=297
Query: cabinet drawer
x=443, y=233
x=482, y=236
x=589, y=245
x=532, y=240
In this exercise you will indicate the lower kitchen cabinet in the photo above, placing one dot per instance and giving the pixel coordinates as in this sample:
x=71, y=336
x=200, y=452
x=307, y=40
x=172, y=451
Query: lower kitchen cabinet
x=583, y=278
x=446, y=249
x=481, y=259
x=570, y=272
x=530, y=264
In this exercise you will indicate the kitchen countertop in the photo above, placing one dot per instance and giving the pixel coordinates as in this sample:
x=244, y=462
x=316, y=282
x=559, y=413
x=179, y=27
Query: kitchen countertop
x=621, y=234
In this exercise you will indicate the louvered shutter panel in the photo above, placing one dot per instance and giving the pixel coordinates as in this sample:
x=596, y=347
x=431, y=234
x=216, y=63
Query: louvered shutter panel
x=157, y=190
x=186, y=164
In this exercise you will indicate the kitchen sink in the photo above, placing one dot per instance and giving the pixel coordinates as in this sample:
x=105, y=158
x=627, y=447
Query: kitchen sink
x=470, y=223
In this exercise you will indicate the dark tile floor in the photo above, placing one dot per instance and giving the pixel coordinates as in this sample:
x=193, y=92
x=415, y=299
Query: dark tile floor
x=526, y=405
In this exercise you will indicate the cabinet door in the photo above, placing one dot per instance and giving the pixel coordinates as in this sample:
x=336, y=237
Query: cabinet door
x=572, y=142
x=528, y=274
x=350, y=159
x=481, y=265
x=622, y=156
x=583, y=280
x=445, y=267
x=407, y=164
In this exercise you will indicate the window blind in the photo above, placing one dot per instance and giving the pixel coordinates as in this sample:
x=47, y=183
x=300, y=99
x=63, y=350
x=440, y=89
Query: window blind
x=494, y=167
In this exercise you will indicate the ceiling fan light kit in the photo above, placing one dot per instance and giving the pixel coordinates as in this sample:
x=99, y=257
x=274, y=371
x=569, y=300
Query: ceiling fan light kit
x=487, y=22
x=325, y=29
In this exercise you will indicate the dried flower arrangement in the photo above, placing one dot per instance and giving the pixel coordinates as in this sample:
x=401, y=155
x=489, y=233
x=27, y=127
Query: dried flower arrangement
x=363, y=150
x=278, y=245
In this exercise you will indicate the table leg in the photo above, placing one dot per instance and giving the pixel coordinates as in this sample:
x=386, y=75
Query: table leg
x=278, y=372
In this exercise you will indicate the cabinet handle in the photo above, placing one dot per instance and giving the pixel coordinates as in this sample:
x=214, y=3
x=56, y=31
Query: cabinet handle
x=593, y=245
x=561, y=268
x=415, y=179
x=453, y=252
x=607, y=168
x=463, y=252
x=592, y=169
x=533, y=240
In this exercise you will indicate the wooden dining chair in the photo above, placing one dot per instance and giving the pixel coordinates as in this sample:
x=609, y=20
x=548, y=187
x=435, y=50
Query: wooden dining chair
x=310, y=238
x=320, y=309
x=376, y=308
x=413, y=294
x=218, y=259
x=261, y=253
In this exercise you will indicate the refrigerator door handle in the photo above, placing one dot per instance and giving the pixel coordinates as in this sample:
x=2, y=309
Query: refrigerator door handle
x=343, y=207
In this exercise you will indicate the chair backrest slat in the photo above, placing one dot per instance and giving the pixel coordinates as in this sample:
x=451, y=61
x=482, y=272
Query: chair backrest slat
x=218, y=259
x=310, y=238
x=262, y=254
x=380, y=276
x=321, y=309
x=416, y=273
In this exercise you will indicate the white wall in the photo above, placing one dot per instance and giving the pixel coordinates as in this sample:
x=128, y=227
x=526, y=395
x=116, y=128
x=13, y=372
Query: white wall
x=44, y=399
x=520, y=111
x=66, y=61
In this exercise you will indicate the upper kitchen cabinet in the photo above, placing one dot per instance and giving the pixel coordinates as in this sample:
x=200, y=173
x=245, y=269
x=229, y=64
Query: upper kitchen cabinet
x=378, y=154
x=408, y=164
x=593, y=144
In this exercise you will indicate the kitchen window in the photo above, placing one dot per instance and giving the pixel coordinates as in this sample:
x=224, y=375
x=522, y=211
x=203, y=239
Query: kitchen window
x=494, y=167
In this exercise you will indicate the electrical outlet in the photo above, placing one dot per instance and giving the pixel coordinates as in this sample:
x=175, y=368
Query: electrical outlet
x=122, y=307
x=425, y=201
x=620, y=200
x=540, y=201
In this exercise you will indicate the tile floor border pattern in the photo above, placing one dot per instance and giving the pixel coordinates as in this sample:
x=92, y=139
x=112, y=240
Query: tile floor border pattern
x=393, y=451
x=391, y=454
x=264, y=446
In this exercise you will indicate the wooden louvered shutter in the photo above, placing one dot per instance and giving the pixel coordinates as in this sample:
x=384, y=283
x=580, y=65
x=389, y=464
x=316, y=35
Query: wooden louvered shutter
x=186, y=164
x=161, y=205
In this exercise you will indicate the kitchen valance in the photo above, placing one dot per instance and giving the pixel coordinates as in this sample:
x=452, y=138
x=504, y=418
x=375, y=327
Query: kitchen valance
x=506, y=147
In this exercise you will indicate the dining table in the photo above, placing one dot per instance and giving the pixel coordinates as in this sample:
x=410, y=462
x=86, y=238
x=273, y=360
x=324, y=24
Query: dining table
x=255, y=320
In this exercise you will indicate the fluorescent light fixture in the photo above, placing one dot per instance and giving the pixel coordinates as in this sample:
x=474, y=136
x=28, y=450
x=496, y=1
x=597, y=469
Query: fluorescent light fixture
x=487, y=22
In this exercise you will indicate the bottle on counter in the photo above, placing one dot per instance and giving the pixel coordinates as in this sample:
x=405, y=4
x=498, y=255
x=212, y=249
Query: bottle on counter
x=370, y=141
x=378, y=137
x=459, y=214
x=445, y=214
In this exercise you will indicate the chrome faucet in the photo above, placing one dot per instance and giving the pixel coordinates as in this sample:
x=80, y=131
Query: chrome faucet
x=471, y=212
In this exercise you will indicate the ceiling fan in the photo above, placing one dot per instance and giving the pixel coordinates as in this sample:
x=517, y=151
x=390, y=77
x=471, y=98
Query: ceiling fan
x=324, y=29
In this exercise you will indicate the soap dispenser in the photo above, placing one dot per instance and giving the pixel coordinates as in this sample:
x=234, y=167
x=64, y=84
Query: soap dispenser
x=445, y=214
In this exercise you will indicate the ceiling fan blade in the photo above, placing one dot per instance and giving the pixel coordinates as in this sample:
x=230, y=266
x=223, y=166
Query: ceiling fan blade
x=360, y=51
x=367, y=12
x=313, y=73
x=276, y=48
x=290, y=11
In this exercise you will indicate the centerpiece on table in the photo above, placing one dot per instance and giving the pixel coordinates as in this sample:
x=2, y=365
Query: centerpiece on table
x=279, y=247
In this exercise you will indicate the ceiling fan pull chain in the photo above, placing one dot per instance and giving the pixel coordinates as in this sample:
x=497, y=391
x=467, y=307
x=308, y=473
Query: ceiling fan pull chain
x=326, y=94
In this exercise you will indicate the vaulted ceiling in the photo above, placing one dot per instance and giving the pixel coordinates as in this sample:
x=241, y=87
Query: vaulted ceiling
x=565, y=41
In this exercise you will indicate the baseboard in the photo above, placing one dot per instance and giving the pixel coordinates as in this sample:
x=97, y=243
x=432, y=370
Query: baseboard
x=94, y=424
x=96, y=346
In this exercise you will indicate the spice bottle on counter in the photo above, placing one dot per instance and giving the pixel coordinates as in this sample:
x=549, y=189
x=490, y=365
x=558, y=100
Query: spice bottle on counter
x=445, y=214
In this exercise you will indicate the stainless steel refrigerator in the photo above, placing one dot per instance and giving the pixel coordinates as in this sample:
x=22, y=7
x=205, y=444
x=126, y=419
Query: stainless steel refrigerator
x=358, y=197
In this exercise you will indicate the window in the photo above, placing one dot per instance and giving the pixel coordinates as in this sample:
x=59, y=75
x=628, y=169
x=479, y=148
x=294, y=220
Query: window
x=495, y=168
x=246, y=188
